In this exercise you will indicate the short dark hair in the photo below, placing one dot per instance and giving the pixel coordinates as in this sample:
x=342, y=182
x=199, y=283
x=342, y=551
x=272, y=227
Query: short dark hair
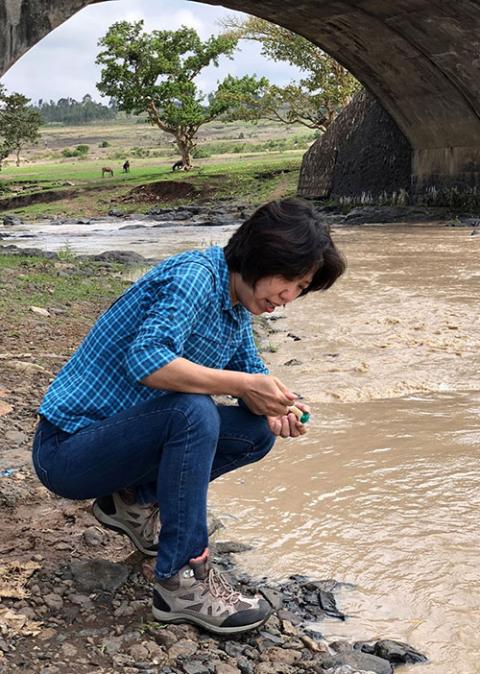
x=285, y=238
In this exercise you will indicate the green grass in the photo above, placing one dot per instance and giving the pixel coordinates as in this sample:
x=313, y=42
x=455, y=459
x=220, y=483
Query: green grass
x=28, y=280
x=228, y=177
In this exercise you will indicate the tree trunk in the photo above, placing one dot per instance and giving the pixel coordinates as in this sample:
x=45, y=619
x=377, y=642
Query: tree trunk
x=185, y=145
x=17, y=153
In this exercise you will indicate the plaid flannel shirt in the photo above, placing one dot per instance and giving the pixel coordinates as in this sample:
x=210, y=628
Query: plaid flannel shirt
x=180, y=308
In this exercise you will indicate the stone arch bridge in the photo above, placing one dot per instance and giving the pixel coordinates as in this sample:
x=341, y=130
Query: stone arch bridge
x=419, y=58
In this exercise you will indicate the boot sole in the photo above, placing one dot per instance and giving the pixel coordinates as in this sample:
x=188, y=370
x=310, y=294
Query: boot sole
x=170, y=617
x=115, y=525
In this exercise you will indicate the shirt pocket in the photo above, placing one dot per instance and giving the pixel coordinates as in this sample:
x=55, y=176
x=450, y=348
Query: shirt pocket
x=208, y=346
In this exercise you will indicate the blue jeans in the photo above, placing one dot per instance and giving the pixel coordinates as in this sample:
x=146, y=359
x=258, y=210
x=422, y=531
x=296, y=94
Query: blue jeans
x=169, y=449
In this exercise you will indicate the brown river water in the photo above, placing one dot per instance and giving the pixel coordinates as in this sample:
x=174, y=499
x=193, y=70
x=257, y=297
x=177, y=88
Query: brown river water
x=383, y=492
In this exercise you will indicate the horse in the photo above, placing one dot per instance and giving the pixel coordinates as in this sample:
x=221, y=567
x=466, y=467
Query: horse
x=126, y=166
x=107, y=169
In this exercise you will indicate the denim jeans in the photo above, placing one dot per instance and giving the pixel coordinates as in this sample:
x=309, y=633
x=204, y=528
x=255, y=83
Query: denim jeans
x=169, y=449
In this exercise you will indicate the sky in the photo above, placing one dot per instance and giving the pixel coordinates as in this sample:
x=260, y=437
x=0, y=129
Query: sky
x=63, y=63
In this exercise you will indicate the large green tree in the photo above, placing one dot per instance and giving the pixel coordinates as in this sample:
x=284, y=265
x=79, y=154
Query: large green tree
x=324, y=88
x=155, y=73
x=19, y=124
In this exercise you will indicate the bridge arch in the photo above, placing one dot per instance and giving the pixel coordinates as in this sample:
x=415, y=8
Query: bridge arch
x=420, y=59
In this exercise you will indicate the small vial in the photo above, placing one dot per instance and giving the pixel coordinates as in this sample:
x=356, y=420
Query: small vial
x=302, y=416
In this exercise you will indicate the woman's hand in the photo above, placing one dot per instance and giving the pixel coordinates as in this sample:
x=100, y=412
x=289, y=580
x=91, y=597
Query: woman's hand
x=288, y=425
x=267, y=395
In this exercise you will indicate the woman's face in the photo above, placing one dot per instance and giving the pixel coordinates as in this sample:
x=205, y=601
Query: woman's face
x=270, y=292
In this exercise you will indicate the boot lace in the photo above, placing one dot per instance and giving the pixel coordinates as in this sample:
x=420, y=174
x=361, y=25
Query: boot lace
x=221, y=588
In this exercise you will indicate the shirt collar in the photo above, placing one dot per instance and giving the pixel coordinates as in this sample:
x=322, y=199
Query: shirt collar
x=217, y=255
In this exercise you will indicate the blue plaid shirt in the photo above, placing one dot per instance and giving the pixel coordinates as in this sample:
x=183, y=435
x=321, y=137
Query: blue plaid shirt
x=181, y=308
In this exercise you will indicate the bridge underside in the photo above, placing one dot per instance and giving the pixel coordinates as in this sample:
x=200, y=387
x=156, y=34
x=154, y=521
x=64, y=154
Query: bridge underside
x=419, y=58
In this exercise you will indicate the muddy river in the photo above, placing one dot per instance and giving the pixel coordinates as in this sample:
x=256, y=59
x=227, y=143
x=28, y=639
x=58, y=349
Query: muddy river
x=383, y=492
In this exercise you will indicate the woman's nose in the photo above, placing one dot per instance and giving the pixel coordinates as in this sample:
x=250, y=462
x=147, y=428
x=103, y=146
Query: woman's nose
x=288, y=294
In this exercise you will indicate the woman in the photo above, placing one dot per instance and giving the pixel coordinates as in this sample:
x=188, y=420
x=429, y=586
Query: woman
x=130, y=422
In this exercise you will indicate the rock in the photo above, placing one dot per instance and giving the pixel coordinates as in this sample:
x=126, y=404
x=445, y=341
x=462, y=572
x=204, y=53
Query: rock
x=225, y=547
x=138, y=652
x=111, y=645
x=395, y=652
x=357, y=660
x=11, y=221
x=133, y=227
x=116, y=213
x=15, y=437
x=225, y=668
x=98, y=574
x=53, y=601
x=123, y=256
x=345, y=669
x=93, y=537
x=182, y=649
x=40, y=311
x=274, y=597
x=281, y=655
x=69, y=651
x=292, y=362
x=195, y=667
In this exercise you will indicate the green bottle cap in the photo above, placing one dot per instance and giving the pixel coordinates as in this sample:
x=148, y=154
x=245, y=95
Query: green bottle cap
x=304, y=418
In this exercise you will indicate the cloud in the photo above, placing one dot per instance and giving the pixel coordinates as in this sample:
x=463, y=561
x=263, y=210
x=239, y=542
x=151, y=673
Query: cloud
x=63, y=63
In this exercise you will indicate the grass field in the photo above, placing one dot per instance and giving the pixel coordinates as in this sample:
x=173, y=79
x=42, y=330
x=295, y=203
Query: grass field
x=251, y=163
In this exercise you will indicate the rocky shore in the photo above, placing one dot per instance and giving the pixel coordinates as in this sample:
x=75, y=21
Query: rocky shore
x=73, y=597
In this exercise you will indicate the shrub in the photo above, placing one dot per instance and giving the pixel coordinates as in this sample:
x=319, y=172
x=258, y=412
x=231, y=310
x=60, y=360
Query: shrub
x=104, y=143
x=201, y=153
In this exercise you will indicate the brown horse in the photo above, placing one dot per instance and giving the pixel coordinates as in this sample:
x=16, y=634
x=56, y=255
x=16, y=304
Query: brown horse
x=107, y=169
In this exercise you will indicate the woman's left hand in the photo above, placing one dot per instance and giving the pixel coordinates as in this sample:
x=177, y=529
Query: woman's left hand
x=288, y=426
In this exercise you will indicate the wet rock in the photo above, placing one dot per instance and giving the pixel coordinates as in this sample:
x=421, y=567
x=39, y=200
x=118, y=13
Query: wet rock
x=395, y=652
x=225, y=547
x=345, y=654
x=116, y=213
x=133, y=227
x=12, y=221
x=98, y=574
x=122, y=256
x=274, y=597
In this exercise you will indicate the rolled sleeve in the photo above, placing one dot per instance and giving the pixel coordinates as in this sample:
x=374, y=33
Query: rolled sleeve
x=169, y=320
x=246, y=357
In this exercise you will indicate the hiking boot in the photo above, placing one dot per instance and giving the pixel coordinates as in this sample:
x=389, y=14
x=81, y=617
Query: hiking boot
x=140, y=523
x=202, y=595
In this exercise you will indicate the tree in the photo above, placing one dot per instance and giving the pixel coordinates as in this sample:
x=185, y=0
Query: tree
x=316, y=99
x=70, y=111
x=155, y=73
x=19, y=124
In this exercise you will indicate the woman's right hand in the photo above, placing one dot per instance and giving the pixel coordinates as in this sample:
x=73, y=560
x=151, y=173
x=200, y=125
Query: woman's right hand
x=267, y=395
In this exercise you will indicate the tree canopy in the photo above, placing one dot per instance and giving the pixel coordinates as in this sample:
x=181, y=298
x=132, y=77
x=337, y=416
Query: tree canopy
x=19, y=124
x=156, y=72
x=324, y=88
x=70, y=111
